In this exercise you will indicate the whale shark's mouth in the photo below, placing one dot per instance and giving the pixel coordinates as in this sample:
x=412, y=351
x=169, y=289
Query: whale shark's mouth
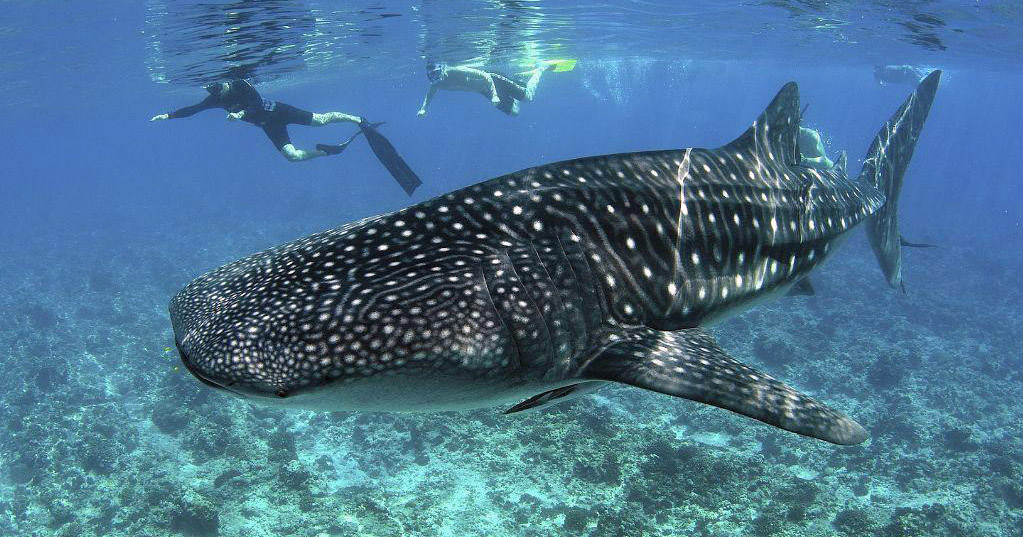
x=203, y=378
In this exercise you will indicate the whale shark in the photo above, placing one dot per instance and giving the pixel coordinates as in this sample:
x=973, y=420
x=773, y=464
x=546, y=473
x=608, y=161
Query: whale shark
x=545, y=284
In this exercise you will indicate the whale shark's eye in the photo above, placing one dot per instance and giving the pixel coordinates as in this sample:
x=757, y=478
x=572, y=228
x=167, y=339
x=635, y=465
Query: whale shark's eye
x=282, y=393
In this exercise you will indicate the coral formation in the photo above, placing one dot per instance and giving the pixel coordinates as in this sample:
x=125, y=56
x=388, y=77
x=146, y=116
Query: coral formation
x=106, y=435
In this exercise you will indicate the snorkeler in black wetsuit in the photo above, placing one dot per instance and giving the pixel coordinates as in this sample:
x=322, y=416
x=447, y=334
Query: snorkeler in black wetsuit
x=243, y=102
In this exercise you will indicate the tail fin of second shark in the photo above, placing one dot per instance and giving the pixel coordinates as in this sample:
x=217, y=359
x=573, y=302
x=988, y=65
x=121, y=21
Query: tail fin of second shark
x=884, y=168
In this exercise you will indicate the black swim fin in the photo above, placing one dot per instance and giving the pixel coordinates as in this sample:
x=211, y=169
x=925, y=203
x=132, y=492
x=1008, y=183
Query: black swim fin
x=390, y=158
x=337, y=149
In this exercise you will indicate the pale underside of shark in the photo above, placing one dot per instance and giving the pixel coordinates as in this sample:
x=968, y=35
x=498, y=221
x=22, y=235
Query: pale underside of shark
x=549, y=282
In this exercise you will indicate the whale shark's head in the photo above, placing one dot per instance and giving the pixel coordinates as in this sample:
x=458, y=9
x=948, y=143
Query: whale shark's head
x=338, y=308
x=246, y=328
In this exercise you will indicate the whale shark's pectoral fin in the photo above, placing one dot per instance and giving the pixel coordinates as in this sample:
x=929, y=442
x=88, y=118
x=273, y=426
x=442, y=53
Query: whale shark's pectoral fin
x=802, y=288
x=689, y=363
x=555, y=396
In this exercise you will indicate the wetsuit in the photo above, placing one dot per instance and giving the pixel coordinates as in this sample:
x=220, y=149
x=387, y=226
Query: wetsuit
x=273, y=116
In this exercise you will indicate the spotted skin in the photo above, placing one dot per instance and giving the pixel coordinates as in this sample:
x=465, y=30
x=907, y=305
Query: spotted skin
x=538, y=286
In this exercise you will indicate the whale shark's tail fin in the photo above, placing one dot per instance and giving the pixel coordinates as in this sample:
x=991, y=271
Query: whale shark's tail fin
x=884, y=168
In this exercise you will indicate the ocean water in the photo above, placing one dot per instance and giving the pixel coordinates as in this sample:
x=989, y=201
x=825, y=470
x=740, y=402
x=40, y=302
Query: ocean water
x=105, y=215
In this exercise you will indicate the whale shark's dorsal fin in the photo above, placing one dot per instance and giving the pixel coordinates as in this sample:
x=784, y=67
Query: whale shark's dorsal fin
x=776, y=131
x=689, y=363
x=842, y=163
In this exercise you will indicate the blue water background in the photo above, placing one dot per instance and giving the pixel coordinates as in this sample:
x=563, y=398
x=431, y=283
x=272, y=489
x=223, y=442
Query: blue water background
x=103, y=215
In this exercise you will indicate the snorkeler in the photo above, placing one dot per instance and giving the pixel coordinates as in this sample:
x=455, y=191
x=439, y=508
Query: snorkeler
x=503, y=92
x=898, y=74
x=811, y=149
x=242, y=101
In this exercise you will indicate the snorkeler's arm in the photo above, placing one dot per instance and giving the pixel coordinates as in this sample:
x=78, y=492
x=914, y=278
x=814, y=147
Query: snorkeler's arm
x=211, y=101
x=426, y=101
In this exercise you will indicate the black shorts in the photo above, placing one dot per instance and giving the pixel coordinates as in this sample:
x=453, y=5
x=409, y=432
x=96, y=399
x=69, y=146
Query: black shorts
x=276, y=120
x=510, y=94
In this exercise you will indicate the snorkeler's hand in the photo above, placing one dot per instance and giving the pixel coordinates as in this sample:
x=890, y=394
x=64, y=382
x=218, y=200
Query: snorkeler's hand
x=236, y=115
x=160, y=117
x=421, y=112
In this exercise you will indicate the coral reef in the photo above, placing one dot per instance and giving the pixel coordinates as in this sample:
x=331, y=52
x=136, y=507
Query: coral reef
x=105, y=435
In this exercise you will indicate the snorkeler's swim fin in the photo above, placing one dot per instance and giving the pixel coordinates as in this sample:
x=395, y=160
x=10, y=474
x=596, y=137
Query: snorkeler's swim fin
x=337, y=149
x=389, y=157
x=560, y=66
x=556, y=66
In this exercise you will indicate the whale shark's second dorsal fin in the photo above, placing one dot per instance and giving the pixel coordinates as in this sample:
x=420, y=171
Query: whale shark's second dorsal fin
x=841, y=164
x=775, y=132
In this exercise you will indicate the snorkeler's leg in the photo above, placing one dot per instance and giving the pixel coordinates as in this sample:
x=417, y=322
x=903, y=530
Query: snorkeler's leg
x=337, y=149
x=511, y=94
x=326, y=118
x=294, y=154
x=278, y=134
x=509, y=106
x=533, y=82
x=290, y=115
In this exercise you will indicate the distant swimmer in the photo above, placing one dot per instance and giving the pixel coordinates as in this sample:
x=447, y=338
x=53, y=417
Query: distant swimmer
x=503, y=92
x=898, y=74
x=242, y=101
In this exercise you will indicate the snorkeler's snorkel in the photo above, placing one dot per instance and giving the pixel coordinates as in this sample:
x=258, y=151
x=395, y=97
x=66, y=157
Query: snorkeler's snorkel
x=436, y=72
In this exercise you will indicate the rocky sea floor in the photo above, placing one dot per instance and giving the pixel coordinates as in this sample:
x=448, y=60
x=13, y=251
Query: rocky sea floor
x=104, y=435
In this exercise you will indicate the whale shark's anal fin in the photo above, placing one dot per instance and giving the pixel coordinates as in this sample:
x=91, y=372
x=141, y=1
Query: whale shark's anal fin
x=907, y=244
x=555, y=396
x=802, y=288
x=689, y=363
